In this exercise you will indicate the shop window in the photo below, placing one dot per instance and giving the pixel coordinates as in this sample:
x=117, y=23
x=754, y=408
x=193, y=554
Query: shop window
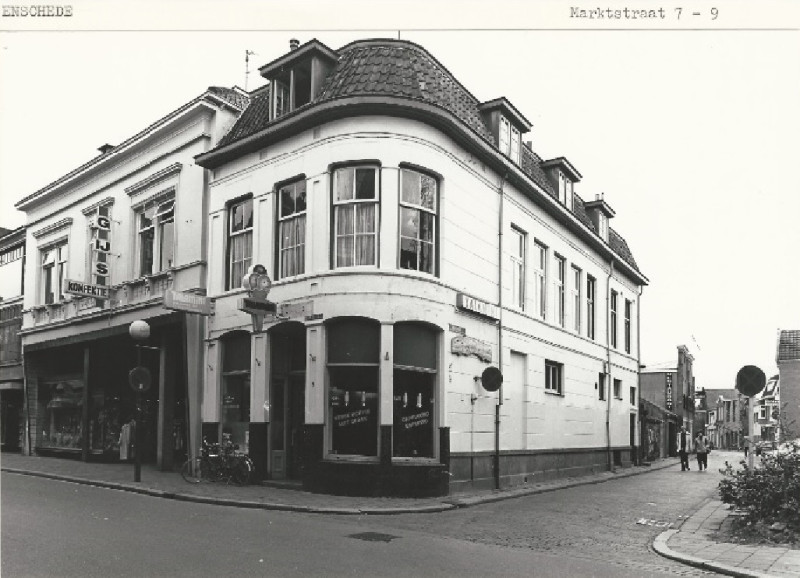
x=355, y=201
x=418, y=212
x=353, y=349
x=236, y=388
x=61, y=407
x=413, y=395
x=291, y=229
x=54, y=267
x=156, y=236
x=240, y=241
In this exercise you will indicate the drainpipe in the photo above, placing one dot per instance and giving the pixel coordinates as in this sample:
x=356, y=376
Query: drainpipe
x=609, y=383
x=639, y=359
x=499, y=333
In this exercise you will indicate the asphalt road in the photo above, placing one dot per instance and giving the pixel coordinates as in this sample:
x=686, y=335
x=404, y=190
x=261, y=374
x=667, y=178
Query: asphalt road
x=52, y=528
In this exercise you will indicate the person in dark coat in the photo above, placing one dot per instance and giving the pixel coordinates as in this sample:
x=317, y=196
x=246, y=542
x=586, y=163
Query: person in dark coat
x=684, y=447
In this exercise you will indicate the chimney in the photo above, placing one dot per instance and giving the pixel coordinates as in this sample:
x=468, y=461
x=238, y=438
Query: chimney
x=105, y=148
x=293, y=44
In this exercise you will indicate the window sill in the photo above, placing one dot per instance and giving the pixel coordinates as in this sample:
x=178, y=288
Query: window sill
x=420, y=461
x=555, y=393
x=351, y=458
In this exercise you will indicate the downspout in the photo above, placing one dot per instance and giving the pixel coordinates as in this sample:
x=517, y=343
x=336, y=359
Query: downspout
x=499, y=333
x=639, y=361
x=609, y=389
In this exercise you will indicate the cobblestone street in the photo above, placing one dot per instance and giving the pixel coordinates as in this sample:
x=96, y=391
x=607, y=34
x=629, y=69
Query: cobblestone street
x=599, y=521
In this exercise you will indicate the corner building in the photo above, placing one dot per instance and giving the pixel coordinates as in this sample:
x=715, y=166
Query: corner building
x=413, y=240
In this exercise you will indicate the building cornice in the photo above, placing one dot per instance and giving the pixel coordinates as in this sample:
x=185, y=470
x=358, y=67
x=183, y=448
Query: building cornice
x=154, y=179
x=62, y=224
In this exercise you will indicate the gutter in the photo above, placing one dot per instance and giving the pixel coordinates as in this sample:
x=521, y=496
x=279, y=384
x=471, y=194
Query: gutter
x=609, y=389
x=499, y=332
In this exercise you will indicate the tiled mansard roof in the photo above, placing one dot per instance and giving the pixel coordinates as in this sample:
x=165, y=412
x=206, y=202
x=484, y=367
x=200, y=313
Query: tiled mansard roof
x=789, y=345
x=402, y=69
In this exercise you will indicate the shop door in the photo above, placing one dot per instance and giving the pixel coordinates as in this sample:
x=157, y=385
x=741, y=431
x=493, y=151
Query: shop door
x=288, y=417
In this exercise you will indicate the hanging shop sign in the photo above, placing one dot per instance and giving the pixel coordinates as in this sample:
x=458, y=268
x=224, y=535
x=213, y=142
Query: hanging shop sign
x=188, y=302
x=258, y=284
x=467, y=303
x=86, y=289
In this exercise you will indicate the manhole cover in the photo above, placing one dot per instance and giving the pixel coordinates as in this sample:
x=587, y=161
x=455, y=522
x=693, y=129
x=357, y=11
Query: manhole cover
x=373, y=537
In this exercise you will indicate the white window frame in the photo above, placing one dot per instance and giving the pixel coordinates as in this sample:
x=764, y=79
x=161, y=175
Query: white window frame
x=577, y=282
x=627, y=324
x=509, y=139
x=612, y=331
x=434, y=213
x=355, y=204
x=553, y=377
x=540, y=279
x=246, y=231
x=591, y=298
x=54, y=270
x=559, y=281
x=518, y=250
x=280, y=90
x=164, y=212
x=299, y=247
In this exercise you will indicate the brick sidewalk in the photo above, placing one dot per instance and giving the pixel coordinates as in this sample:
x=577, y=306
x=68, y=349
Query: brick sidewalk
x=693, y=544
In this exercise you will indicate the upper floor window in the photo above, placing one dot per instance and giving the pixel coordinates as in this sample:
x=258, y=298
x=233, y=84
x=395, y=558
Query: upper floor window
x=355, y=202
x=618, y=388
x=591, y=288
x=54, y=268
x=156, y=236
x=540, y=279
x=240, y=241
x=561, y=266
x=509, y=140
x=280, y=98
x=613, y=329
x=12, y=254
x=518, y=267
x=292, y=229
x=418, y=211
x=576, y=299
x=628, y=308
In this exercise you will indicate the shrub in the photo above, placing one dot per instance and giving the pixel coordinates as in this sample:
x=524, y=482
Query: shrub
x=770, y=491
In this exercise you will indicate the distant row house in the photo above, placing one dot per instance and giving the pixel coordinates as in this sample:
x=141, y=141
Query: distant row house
x=413, y=240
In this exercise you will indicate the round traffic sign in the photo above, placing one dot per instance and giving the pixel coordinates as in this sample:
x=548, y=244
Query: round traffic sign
x=139, y=378
x=491, y=378
x=750, y=380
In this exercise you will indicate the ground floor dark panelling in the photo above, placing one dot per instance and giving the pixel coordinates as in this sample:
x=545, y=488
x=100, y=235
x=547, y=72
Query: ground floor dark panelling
x=476, y=471
x=11, y=420
x=81, y=404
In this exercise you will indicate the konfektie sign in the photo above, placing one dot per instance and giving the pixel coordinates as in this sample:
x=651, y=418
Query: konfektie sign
x=188, y=302
x=86, y=289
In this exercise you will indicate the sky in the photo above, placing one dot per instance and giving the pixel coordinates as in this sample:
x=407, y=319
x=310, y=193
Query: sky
x=688, y=125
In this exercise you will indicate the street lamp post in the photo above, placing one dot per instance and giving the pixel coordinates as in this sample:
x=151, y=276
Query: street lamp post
x=139, y=378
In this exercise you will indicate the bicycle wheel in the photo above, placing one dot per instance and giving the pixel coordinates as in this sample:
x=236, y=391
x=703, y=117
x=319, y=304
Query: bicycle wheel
x=192, y=470
x=242, y=471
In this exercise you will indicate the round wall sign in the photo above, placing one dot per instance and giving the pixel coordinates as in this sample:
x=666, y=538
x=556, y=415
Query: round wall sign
x=491, y=379
x=139, y=378
x=750, y=380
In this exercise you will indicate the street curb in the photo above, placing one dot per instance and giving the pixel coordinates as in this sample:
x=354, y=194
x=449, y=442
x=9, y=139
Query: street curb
x=448, y=504
x=660, y=546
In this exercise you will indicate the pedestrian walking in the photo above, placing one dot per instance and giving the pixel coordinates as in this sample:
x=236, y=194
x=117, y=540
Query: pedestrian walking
x=684, y=447
x=701, y=447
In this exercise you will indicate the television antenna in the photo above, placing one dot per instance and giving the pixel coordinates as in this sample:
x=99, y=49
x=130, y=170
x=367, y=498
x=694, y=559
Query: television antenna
x=247, y=54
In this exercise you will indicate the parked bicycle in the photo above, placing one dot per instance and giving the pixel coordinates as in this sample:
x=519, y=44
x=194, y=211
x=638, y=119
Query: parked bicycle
x=218, y=463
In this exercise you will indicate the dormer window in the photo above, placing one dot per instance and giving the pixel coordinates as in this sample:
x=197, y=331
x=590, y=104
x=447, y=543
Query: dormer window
x=509, y=140
x=562, y=176
x=507, y=126
x=599, y=212
x=296, y=78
